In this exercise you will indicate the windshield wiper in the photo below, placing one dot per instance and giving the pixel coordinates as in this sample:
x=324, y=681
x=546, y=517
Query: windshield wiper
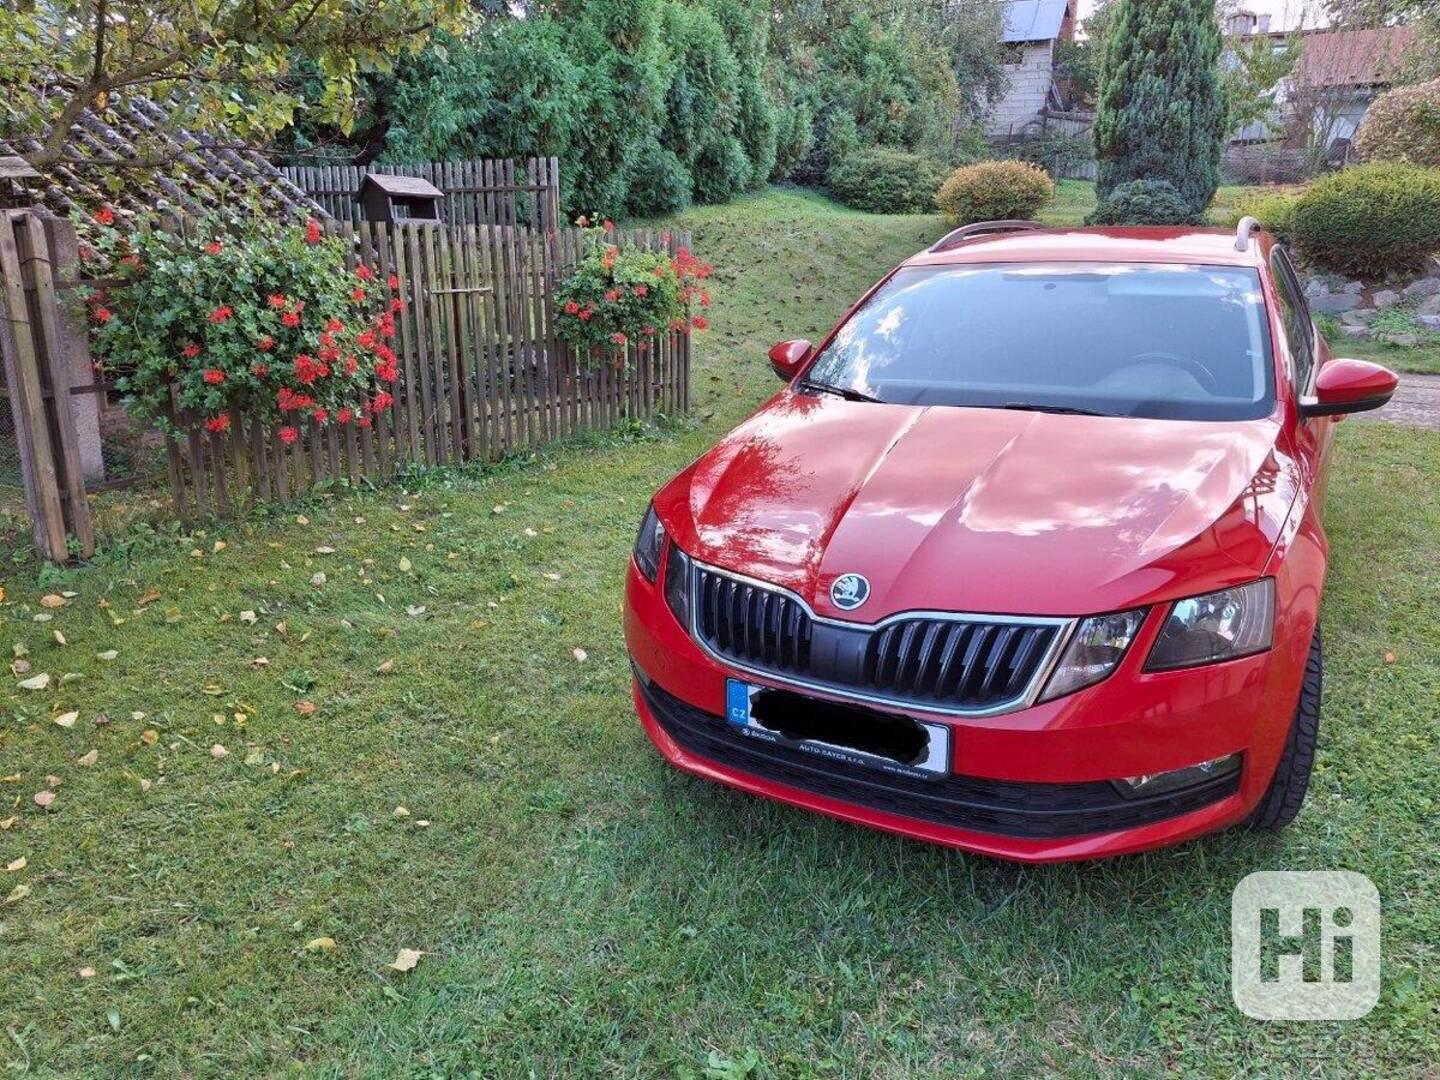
x=847, y=392
x=1065, y=410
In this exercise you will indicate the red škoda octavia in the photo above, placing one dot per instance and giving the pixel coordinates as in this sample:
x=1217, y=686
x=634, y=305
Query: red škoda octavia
x=1026, y=557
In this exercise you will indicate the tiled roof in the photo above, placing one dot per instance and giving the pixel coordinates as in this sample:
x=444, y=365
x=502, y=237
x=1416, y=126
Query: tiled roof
x=197, y=172
x=1353, y=57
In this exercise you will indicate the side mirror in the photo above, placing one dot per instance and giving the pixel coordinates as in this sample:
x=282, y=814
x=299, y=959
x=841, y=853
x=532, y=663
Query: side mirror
x=1349, y=386
x=789, y=357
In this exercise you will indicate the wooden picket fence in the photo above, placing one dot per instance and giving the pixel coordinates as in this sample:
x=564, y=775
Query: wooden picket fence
x=482, y=372
x=480, y=192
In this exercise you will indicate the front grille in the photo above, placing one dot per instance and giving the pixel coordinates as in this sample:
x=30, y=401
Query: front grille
x=968, y=663
x=1001, y=807
x=963, y=664
x=755, y=626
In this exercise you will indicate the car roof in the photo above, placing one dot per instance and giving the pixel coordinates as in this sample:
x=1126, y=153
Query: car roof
x=1137, y=244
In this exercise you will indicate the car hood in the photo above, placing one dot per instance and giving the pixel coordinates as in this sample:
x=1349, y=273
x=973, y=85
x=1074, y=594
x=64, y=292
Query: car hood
x=984, y=510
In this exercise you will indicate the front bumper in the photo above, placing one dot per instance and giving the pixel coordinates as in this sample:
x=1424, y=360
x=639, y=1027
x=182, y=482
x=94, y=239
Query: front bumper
x=1030, y=785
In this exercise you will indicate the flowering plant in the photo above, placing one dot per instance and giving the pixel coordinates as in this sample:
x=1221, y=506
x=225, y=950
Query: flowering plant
x=240, y=316
x=618, y=296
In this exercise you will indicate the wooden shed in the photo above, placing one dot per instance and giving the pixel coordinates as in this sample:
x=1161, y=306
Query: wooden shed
x=386, y=197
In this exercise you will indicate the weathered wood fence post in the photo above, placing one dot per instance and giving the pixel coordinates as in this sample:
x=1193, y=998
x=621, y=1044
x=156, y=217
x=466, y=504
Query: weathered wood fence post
x=40, y=339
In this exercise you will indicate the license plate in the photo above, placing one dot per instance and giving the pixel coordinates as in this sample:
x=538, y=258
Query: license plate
x=739, y=713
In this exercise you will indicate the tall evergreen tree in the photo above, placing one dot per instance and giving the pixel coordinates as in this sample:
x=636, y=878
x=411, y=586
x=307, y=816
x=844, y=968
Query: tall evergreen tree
x=1161, y=113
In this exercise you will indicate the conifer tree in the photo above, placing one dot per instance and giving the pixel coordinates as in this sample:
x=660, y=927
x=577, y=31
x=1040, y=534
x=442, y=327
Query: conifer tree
x=1161, y=113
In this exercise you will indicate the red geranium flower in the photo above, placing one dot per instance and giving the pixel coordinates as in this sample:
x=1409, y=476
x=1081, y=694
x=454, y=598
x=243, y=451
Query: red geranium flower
x=321, y=416
x=363, y=422
x=381, y=401
x=334, y=326
x=700, y=322
x=642, y=290
x=105, y=216
x=648, y=331
x=102, y=314
x=260, y=370
x=277, y=300
x=609, y=225
x=217, y=424
x=397, y=305
x=291, y=319
x=306, y=370
x=265, y=344
x=571, y=307
x=364, y=273
x=393, y=281
x=312, y=231
x=618, y=338
x=345, y=416
x=611, y=295
x=358, y=295
x=704, y=299
x=221, y=313
x=214, y=248
x=190, y=351
x=585, y=315
x=366, y=340
x=288, y=434
x=214, y=376
x=351, y=365
x=132, y=261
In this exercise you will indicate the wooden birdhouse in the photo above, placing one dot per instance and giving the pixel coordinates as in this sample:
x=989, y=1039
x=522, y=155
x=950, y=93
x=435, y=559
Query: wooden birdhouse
x=388, y=198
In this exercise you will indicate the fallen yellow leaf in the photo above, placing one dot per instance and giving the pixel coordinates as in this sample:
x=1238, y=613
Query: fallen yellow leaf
x=67, y=720
x=305, y=708
x=88, y=759
x=149, y=736
x=406, y=959
x=320, y=944
x=17, y=894
x=17, y=864
x=51, y=600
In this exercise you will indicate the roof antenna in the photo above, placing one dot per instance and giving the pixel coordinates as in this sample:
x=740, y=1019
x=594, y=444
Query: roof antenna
x=1243, y=231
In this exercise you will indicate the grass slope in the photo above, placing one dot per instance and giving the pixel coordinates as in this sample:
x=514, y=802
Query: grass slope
x=582, y=909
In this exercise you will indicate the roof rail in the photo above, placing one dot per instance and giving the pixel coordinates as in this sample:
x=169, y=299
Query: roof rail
x=1243, y=231
x=981, y=228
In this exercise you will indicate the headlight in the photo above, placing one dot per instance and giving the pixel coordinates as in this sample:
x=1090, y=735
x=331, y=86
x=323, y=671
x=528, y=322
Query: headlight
x=1098, y=646
x=648, y=544
x=677, y=585
x=1217, y=626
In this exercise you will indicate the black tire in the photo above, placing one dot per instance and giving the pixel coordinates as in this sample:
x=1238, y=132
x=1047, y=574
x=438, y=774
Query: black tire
x=1292, y=776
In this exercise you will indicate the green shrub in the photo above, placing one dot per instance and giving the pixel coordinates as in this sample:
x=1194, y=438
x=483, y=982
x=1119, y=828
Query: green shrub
x=1273, y=209
x=1403, y=125
x=658, y=181
x=1144, y=202
x=886, y=181
x=993, y=191
x=1370, y=220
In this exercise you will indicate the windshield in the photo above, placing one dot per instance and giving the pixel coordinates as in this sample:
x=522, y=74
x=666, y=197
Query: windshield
x=1162, y=341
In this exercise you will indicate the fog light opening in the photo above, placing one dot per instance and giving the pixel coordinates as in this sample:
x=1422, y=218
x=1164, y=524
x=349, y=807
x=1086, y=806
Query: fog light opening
x=1154, y=783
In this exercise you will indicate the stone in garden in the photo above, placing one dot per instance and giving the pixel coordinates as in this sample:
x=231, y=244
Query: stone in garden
x=1335, y=303
x=1359, y=317
x=1357, y=333
x=1428, y=322
x=1420, y=287
x=1430, y=306
x=1405, y=341
x=1385, y=298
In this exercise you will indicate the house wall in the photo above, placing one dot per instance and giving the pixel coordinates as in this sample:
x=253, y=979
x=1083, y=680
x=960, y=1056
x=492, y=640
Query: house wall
x=1030, y=81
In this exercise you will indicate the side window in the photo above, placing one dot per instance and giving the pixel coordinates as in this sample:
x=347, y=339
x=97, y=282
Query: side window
x=1299, y=330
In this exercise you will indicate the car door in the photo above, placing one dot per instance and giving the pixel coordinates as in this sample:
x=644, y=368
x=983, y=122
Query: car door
x=1306, y=351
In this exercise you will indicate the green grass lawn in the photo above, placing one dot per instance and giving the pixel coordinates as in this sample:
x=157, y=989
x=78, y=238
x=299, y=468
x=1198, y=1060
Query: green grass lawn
x=467, y=786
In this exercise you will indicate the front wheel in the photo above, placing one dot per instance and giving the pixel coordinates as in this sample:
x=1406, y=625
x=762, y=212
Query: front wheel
x=1283, y=798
